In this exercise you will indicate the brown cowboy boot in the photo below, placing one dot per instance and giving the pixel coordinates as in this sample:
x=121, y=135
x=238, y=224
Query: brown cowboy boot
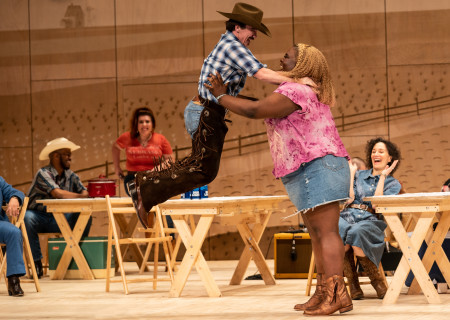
x=336, y=298
x=316, y=298
x=374, y=275
x=352, y=276
x=199, y=168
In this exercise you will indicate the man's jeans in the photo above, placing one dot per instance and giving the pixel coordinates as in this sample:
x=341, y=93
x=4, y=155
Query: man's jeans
x=42, y=222
x=192, y=114
x=12, y=237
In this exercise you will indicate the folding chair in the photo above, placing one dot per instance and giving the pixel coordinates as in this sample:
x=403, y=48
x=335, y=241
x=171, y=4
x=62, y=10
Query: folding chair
x=173, y=250
x=28, y=257
x=124, y=206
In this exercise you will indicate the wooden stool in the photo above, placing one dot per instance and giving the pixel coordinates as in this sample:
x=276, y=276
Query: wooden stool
x=174, y=246
x=118, y=207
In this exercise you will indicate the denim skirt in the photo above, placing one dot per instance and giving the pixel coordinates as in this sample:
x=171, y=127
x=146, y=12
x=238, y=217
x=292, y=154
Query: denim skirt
x=318, y=182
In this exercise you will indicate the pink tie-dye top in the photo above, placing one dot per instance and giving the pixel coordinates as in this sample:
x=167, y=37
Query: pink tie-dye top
x=304, y=135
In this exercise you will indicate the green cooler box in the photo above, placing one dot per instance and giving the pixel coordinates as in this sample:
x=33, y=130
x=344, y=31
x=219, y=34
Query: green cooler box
x=93, y=248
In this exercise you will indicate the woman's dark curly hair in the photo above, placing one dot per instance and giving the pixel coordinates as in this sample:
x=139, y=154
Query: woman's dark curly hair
x=391, y=147
x=143, y=111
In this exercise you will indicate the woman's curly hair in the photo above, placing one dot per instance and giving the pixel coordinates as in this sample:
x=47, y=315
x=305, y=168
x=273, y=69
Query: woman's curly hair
x=391, y=147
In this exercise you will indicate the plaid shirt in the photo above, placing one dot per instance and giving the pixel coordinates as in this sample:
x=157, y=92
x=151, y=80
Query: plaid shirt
x=233, y=61
x=46, y=180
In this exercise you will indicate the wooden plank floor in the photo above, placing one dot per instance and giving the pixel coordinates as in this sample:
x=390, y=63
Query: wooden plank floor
x=84, y=299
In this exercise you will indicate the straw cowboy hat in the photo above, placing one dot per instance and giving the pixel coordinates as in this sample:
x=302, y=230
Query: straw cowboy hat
x=248, y=14
x=56, y=144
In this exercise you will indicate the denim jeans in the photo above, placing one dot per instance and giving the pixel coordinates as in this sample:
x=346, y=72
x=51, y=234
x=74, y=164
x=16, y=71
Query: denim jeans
x=12, y=237
x=192, y=114
x=44, y=222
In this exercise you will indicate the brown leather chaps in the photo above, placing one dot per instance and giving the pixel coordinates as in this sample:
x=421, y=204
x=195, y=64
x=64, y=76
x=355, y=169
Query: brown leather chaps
x=199, y=168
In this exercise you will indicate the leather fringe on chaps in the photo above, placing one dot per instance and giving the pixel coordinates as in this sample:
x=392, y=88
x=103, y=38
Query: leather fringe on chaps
x=199, y=168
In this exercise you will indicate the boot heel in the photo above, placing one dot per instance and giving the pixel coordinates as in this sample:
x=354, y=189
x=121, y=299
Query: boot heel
x=346, y=309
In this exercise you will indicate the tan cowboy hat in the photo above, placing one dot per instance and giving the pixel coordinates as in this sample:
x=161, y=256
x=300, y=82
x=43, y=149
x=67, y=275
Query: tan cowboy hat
x=56, y=144
x=248, y=14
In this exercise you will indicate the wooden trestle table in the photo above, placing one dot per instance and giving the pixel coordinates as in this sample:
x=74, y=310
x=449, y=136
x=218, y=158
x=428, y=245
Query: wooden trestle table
x=237, y=211
x=426, y=209
x=72, y=237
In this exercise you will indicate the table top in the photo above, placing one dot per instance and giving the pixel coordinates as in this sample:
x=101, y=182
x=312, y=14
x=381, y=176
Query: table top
x=98, y=204
x=214, y=201
x=441, y=200
x=222, y=206
x=78, y=200
x=80, y=204
x=439, y=197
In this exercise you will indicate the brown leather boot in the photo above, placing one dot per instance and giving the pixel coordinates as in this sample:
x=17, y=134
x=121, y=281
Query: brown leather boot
x=336, y=298
x=316, y=298
x=199, y=168
x=352, y=276
x=374, y=275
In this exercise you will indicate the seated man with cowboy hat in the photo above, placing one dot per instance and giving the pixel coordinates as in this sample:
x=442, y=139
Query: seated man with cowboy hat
x=54, y=181
x=204, y=116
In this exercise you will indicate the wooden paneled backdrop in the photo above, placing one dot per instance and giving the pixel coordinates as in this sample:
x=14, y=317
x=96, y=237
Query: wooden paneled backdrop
x=78, y=68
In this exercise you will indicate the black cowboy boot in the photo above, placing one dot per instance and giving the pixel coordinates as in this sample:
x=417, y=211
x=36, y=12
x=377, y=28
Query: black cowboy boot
x=14, y=288
x=199, y=168
x=352, y=276
x=39, y=268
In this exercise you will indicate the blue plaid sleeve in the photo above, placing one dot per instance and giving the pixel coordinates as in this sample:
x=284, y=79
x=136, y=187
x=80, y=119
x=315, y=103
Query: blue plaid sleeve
x=45, y=181
x=233, y=61
x=241, y=58
x=76, y=184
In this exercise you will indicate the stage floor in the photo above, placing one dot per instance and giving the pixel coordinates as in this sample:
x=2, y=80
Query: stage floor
x=84, y=299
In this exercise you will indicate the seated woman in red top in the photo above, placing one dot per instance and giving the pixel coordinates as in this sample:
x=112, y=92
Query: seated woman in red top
x=144, y=148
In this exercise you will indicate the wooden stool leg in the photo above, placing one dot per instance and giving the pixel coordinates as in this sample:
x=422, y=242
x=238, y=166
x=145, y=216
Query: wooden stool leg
x=45, y=263
x=312, y=265
x=44, y=250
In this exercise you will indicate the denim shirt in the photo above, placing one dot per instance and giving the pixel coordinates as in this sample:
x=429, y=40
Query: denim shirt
x=365, y=185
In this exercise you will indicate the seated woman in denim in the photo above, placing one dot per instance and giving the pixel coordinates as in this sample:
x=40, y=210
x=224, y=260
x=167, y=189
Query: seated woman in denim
x=360, y=228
